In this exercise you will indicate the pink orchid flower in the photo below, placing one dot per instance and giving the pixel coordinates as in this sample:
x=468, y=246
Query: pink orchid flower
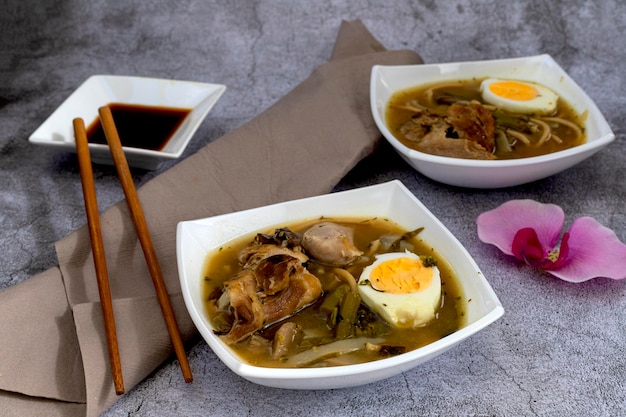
x=530, y=231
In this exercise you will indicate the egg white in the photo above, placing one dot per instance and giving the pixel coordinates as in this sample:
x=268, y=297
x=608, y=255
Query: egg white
x=544, y=103
x=401, y=310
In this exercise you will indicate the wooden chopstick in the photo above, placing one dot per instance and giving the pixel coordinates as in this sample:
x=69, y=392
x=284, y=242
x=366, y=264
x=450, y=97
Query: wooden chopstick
x=95, y=233
x=136, y=212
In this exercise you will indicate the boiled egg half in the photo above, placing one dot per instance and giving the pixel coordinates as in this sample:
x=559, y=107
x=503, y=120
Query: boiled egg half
x=401, y=289
x=519, y=96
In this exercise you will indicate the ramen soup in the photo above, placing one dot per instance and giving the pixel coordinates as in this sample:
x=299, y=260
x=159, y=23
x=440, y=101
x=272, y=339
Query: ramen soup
x=484, y=119
x=330, y=292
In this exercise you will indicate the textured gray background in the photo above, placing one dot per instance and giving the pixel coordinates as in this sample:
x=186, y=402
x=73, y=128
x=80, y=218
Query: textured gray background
x=559, y=348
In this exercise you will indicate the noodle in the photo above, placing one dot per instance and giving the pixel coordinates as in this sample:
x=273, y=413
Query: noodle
x=431, y=91
x=409, y=107
x=545, y=136
x=556, y=138
x=565, y=122
x=518, y=135
x=346, y=277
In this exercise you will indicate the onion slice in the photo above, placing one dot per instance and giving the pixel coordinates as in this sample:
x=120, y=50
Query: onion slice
x=340, y=347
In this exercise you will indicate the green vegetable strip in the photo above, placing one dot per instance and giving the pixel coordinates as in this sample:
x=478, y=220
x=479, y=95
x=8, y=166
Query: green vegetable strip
x=347, y=312
x=333, y=299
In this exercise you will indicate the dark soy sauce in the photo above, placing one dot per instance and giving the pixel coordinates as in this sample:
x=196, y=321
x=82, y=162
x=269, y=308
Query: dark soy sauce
x=138, y=126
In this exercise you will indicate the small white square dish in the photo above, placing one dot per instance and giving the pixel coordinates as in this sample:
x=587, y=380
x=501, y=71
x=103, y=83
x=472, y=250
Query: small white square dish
x=196, y=239
x=100, y=90
x=542, y=69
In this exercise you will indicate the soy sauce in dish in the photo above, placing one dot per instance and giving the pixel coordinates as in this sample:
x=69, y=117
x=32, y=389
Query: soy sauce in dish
x=139, y=126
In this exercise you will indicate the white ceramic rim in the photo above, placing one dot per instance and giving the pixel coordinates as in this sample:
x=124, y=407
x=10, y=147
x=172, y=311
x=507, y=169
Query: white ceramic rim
x=205, y=102
x=451, y=70
x=260, y=374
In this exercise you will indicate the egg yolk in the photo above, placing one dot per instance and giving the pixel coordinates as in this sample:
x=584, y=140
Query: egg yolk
x=401, y=276
x=513, y=90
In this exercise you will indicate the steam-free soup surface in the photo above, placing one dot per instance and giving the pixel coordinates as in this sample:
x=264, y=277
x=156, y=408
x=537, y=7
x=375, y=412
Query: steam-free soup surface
x=223, y=264
x=420, y=117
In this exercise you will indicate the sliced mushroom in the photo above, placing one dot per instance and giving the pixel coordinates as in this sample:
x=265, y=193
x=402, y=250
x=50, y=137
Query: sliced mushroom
x=287, y=337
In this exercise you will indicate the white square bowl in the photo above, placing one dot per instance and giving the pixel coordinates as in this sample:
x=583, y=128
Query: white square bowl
x=99, y=90
x=387, y=80
x=195, y=239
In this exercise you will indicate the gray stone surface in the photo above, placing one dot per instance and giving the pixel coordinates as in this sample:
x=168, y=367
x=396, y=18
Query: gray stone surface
x=558, y=350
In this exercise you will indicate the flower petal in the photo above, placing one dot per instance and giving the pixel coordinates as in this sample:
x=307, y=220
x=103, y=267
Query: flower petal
x=527, y=248
x=499, y=226
x=594, y=251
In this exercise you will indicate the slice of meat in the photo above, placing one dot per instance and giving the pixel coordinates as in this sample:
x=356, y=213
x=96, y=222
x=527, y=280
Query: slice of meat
x=271, y=290
x=245, y=305
x=303, y=289
x=454, y=148
x=253, y=254
x=467, y=131
x=274, y=274
x=331, y=244
x=424, y=124
x=473, y=122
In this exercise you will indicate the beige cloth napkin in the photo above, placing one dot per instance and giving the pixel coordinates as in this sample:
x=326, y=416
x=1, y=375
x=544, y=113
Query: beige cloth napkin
x=53, y=357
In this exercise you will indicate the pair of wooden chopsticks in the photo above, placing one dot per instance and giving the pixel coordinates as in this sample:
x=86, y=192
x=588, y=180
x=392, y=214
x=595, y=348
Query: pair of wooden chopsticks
x=136, y=212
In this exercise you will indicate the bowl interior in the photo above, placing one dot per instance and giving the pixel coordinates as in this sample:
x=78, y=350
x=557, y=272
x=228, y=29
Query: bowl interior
x=387, y=80
x=195, y=239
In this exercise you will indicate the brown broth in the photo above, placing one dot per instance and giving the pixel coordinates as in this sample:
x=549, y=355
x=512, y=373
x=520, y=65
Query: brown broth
x=222, y=265
x=470, y=90
x=145, y=127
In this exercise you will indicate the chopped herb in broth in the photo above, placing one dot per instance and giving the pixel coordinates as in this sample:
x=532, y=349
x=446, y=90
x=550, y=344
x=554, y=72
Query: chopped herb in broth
x=453, y=119
x=337, y=327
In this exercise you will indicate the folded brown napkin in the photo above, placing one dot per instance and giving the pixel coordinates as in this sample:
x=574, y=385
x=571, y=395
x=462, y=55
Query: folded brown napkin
x=53, y=355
